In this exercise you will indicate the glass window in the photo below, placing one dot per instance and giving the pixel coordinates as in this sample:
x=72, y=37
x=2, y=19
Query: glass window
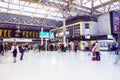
x=86, y=25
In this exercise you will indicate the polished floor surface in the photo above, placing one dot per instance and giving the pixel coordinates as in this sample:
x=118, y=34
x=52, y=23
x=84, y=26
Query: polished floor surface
x=59, y=66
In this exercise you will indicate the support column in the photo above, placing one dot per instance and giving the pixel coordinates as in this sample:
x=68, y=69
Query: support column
x=64, y=31
x=46, y=44
x=42, y=36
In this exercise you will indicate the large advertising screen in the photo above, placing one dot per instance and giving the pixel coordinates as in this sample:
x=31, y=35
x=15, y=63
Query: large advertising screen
x=115, y=22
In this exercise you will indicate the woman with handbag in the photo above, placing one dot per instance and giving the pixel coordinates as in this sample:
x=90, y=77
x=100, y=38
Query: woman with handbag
x=96, y=51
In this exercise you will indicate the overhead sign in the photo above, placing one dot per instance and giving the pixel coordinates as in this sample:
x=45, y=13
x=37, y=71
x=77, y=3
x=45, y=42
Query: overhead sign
x=17, y=40
x=46, y=34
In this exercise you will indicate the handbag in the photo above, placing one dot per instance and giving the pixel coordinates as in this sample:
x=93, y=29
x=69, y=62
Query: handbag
x=93, y=58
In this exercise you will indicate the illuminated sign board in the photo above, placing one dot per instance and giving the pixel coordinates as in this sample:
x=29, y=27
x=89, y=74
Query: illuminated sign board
x=11, y=33
x=17, y=40
x=46, y=34
x=62, y=33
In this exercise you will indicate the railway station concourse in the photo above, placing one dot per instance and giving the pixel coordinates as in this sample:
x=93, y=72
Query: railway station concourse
x=59, y=39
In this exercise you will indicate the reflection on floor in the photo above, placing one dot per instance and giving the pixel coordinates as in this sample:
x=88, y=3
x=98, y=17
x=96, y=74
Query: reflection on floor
x=59, y=66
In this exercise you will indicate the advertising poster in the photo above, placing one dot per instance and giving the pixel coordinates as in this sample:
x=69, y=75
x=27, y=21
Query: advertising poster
x=115, y=21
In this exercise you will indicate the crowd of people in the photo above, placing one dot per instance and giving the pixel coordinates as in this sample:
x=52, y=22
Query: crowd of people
x=94, y=49
x=3, y=48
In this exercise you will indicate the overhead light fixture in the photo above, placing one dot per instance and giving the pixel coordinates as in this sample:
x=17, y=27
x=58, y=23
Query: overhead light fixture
x=18, y=29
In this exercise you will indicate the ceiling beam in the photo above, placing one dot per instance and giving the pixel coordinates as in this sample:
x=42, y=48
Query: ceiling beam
x=104, y=4
x=84, y=7
x=8, y=6
x=92, y=5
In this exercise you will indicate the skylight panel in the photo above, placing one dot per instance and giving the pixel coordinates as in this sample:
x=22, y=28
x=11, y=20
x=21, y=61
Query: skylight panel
x=13, y=11
x=54, y=18
x=77, y=2
x=2, y=4
x=15, y=1
x=29, y=9
x=40, y=6
x=13, y=6
x=26, y=13
x=22, y=3
x=39, y=15
x=73, y=14
x=46, y=8
x=53, y=9
x=38, y=11
x=59, y=15
x=33, y=5
x=3, y=10
x=88, y=4
x=53, y=13
x=51, y=0
x=43, y=11
x=98, y=2
x=5, y=0
x=27, y=3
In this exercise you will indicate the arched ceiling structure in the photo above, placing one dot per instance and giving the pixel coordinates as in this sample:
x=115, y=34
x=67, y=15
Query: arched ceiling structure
x=53, y=9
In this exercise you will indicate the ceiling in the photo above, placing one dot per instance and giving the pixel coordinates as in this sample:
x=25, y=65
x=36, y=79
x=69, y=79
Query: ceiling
x=54, y=9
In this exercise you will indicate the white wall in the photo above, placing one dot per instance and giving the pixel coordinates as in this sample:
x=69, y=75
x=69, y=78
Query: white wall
x=104, y=27
x=93, y=28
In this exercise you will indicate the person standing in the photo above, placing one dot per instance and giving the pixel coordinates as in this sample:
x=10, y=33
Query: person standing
x=58, y=48
x=117, y=49
x=69, y=47
x=75, y=48
x=97, y=51
x=39, y=47
x=1, y=49
x=5, y=47
x=21, y=49
x=14, y=51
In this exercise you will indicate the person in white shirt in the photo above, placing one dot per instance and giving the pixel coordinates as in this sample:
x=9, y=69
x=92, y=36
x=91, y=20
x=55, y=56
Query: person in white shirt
x=97, y=51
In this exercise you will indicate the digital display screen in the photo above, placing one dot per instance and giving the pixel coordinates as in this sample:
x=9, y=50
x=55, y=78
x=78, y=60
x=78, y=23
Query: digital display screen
x=61, y=34
x=46, y=34
x=116, y=22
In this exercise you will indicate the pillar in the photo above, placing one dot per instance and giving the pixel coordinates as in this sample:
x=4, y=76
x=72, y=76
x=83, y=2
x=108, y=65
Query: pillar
x=46, y=44
x=42, y=36
x=64, y=31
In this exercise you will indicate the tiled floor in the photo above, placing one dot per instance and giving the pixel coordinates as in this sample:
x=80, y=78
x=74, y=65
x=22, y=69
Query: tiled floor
x=59, y=66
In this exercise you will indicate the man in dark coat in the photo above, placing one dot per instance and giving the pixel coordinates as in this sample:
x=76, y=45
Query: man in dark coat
x=21, y=49
x=1, y=49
